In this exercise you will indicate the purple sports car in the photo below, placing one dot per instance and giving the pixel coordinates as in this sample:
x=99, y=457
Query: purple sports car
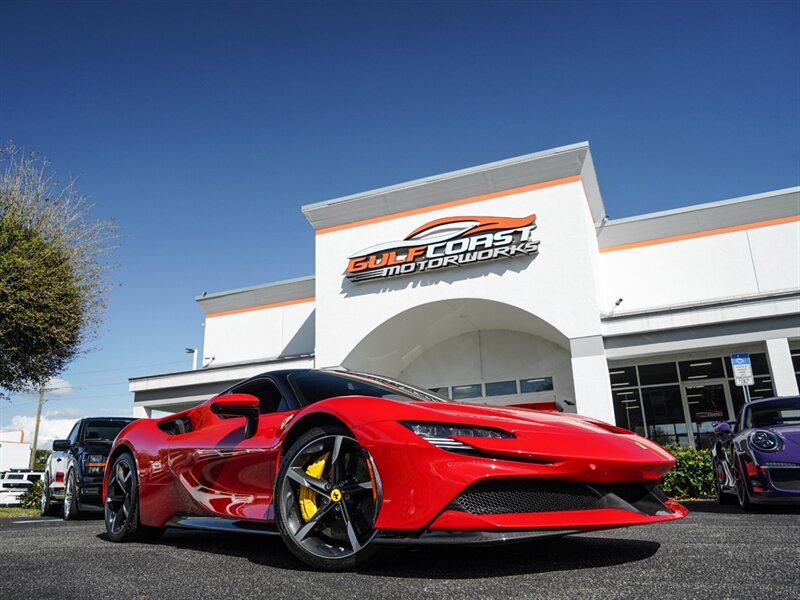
x=757, y=456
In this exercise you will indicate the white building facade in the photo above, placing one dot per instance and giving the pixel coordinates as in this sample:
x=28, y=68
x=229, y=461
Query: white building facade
x=507, y=284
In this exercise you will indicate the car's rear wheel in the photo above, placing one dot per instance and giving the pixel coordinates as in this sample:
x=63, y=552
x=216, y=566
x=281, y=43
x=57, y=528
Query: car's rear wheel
x=328, y=494
x=71, y=511
x=122, y=504
x=720, y=476
x=46, y=508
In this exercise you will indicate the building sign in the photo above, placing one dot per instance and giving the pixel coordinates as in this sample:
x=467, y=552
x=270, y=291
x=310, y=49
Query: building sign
x=443, y=243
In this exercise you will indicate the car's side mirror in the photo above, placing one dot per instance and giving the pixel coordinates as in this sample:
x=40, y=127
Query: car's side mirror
x=238, y=405
x=722, y=428
x=61, y=445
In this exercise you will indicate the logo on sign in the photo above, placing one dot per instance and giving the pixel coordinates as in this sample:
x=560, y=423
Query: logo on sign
x=443, y=243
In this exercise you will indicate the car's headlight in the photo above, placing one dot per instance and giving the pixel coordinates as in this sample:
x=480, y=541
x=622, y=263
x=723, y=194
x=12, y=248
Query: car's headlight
x=94, y=463
x=766, y=441
x=441, y=435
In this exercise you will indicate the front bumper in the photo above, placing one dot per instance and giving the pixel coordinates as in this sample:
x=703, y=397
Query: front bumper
x=423, y=485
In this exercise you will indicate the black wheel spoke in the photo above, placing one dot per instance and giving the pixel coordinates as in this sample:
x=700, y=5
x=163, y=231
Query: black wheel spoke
x=355, y=489
x=306, y=529
x=117, y=521
x=351, y=532
x=298, y=475
x=337, y=460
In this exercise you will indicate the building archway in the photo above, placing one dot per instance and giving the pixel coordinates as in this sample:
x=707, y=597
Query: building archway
x=471, y=349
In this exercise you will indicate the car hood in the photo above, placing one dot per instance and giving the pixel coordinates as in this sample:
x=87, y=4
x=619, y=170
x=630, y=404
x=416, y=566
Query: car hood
x=538, y=435
x=789, y=433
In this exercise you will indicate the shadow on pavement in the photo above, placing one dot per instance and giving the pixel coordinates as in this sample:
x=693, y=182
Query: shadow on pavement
x=569, y=553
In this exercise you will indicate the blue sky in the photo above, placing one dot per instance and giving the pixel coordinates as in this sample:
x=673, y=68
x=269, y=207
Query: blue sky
x=203, y=127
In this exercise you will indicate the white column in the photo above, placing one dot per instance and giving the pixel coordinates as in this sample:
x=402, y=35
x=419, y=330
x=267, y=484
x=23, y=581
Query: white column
x=591, y=379
x=142, y=412
x=784, y=381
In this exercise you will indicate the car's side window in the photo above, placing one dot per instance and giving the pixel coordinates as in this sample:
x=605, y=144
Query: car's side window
x=269, y=396
x=73, y=435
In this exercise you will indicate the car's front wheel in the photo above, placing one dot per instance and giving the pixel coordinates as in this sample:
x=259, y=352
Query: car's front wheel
x=328, y=495
x=741, y=490
x=122, y=504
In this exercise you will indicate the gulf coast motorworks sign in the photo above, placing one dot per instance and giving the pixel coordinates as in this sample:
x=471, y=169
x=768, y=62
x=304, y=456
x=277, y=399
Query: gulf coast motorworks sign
x=444, y=243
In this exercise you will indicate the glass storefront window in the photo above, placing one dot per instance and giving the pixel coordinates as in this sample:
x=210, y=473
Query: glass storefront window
x=658, y=374
x=663, y=409
x=628, y=410
x=707, y=405
x=444, y=392
x=695, y=370
x=623, y=377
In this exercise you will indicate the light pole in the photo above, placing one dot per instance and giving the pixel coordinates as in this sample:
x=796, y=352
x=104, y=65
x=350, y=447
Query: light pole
x=36, y=428
x=193, y=352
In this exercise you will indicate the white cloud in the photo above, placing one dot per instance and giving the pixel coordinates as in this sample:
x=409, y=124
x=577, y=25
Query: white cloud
x=58, y=386
x=55, y=425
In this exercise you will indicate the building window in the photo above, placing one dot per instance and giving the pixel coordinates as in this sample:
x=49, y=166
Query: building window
x=501, y=388
x=464, y=392
x=537, y=384
x=658, y=374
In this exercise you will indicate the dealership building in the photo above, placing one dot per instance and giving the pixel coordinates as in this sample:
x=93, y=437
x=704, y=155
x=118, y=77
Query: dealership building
x=508, y=284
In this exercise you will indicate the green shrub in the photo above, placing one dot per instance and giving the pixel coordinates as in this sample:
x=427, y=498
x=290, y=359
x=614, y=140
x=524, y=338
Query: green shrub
x=33, y=496
x=693, y=475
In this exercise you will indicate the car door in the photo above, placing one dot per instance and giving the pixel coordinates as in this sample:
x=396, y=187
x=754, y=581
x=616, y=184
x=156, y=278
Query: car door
x=221, y=472
x=59, y=461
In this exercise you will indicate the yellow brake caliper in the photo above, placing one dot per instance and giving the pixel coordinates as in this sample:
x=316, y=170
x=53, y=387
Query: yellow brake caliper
x=308, y=497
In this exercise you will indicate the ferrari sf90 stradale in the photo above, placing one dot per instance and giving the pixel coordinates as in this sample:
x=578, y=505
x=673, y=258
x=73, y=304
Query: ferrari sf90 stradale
x=339, y=463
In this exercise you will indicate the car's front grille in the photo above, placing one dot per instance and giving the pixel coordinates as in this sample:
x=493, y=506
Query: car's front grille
x=785, y=479
x=512, y=496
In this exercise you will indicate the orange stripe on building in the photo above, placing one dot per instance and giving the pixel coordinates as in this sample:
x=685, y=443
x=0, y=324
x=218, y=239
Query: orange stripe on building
x=452, y=203
x=236, y=311
x=706, y=233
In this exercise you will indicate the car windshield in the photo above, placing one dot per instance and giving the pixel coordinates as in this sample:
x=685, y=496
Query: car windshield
x=104, y=430
x=782, y=411
x=313, y=386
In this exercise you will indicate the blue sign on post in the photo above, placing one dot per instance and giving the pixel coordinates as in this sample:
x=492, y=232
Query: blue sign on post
x=742, y=372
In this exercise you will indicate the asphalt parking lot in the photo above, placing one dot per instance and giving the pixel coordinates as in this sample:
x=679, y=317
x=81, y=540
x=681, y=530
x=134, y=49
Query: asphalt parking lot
x=716, y=552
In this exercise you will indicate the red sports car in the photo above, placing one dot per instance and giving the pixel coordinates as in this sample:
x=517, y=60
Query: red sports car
x=338, y=463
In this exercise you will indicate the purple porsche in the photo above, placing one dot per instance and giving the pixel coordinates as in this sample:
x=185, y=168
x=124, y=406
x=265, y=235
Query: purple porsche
x=757, y=457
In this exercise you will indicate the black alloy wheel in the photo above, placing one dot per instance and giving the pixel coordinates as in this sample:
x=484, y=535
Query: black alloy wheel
x=122, y=504
x=328, y=494
x=46, y=508
x=71, y=498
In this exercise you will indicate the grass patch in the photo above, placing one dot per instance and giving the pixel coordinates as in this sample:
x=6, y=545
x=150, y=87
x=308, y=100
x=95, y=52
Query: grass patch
x=14, y=512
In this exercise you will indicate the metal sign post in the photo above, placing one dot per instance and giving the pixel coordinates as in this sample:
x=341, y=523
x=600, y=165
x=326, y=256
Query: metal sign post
x=742, y=373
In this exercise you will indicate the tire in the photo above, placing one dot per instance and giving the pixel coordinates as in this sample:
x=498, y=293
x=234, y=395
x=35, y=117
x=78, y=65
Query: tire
x=46, y=508
x=122, y=504
x=71, y=497
x=722, y=497
x=328, y=495
x=741, y=491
